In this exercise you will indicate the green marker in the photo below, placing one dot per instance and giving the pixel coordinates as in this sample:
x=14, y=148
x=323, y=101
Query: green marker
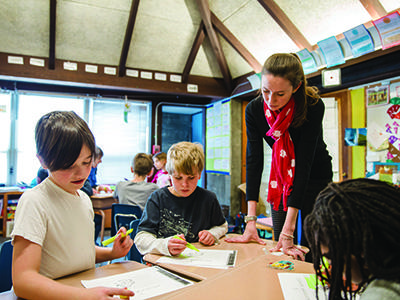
x=189, y=245
x=112, y=239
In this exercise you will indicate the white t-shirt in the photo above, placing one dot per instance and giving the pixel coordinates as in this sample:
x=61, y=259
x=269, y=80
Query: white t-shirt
x=62, y=224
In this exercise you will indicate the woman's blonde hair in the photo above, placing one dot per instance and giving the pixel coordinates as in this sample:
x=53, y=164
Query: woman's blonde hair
x=185, y=158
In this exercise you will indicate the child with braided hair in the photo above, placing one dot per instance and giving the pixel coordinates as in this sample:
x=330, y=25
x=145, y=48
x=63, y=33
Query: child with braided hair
x=355, y=225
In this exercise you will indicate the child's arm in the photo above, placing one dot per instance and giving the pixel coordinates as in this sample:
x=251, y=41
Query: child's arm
x=29, y=284
x=209, y=237
x=147, y=242
x=120, y=248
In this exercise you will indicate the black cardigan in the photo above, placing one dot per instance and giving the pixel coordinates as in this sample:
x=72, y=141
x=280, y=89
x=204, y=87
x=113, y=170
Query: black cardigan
x=313, y=162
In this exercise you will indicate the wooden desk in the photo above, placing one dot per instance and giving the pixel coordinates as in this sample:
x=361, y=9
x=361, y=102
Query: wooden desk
x=102, y=202
x=252, y=280
x=75, y=279
x=106, y=270
x=246, y=252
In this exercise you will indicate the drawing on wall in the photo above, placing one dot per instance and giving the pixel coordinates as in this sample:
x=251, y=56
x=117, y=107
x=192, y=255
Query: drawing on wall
x=378, y=95
x=355, y=136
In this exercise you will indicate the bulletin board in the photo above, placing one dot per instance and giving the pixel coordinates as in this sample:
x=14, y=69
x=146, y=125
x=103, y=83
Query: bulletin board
x=218, y=137
x=383, y=123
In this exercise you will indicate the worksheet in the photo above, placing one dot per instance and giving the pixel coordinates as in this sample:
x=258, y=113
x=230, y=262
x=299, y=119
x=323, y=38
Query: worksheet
x=300, y=286
x=145, y=283
x=219, y=259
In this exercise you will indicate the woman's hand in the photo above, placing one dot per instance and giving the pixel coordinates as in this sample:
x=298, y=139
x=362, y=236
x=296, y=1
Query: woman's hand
x=250, y=234
x=289, y=248
x=176, y=246
x=206, y=238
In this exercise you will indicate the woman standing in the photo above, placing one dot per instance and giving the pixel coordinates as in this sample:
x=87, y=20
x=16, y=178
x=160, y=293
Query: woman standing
x=288, y=116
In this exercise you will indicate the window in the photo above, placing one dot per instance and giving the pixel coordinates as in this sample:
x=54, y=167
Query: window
x=5, y=125
x=30, y=109
x=119, y=140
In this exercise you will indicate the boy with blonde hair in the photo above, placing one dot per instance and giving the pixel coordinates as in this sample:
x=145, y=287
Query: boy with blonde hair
x=183, y=209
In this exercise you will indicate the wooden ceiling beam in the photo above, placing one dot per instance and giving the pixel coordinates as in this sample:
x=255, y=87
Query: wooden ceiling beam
x=207, y=87
x=236, y=44
x=374, y=8
x=193, y=52
x=284, y=22
x=216, y=46
x=128, y=37
x=52, y=34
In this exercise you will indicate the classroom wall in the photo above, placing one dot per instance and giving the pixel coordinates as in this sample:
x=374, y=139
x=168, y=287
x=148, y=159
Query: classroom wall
x=358, y=121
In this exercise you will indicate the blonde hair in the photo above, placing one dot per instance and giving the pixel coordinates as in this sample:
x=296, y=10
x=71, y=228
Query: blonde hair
x=185, y=158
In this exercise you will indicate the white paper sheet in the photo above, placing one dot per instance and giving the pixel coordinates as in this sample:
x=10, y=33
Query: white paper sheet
x=300, y=286
x=219, y=259
x=145, y=283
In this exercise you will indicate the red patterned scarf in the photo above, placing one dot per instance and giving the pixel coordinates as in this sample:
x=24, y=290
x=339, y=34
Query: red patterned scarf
x=283, y=163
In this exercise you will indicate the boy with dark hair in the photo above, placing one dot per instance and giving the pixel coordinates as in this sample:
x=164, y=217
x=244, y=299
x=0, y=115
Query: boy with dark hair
x=137, y=190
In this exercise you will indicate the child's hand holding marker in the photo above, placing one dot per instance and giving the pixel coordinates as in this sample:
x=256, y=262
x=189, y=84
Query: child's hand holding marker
x=126, y=296
x=122, y=243
x=177, y=244
x=112, y=239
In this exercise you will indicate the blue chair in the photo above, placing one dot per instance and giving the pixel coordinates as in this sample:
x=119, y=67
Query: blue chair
x=6, y=251
x=123, y=215
x=134, y=254
x=97, y=227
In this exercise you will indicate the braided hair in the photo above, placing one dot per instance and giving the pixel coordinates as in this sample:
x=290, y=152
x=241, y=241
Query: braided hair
x=357, y=220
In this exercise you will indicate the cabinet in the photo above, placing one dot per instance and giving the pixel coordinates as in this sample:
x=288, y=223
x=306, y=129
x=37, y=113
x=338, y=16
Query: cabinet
x=9, y=200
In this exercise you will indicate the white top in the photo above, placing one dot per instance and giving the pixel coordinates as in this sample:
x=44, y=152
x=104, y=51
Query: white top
x=62, y=224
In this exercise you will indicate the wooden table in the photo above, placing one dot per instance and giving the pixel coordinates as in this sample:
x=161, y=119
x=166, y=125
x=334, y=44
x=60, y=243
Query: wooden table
x=102, y=202
x=245, y=253
x=103, y=271
x=251, y=278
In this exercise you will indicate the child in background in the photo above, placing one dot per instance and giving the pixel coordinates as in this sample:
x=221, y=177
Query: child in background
x=183, y=209
x=137, y=191
x=161, y=178
x=53, y=231
x=40, y=176
x=355, y=225
x=98, y=155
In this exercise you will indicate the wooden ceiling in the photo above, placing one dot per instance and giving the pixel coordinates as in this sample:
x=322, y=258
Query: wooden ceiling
x=182, y=47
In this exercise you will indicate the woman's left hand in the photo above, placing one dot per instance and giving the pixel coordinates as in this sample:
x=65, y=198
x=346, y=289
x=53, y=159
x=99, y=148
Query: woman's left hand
x=289, y=248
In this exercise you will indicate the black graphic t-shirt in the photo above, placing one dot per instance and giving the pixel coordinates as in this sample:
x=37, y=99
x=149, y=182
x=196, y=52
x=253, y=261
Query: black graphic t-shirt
x=166, y=215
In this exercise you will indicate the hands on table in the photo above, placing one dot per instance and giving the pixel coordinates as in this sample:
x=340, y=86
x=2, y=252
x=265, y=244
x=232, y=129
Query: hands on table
x=284, y=245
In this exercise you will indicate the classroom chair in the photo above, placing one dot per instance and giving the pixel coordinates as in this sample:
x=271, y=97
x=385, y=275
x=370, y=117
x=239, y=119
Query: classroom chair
x=134, y=254
x=123, y=215
x=6, y=251
x=97, y=227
